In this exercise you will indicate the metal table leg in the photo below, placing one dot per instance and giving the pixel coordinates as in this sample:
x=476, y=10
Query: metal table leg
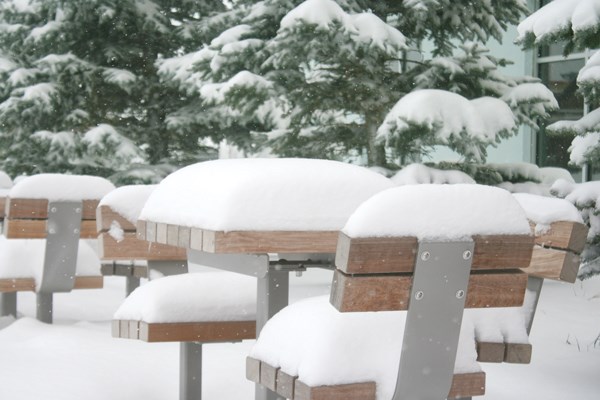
x=190, y=371
x=8, y=304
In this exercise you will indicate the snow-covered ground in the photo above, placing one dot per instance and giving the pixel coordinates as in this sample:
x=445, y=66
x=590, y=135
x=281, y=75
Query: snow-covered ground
x=76, y=358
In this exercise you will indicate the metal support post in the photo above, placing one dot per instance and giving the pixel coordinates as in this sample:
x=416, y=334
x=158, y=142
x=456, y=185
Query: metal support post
x=44, y=303
x=60, y=258
x=167, y=267
x=433, y=320
x=190, y=371
x=131, y=283
x=8, y=304
x=532, y=298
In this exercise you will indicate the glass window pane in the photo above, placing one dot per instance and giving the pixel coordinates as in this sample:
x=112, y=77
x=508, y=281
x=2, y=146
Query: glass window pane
x=560, y=77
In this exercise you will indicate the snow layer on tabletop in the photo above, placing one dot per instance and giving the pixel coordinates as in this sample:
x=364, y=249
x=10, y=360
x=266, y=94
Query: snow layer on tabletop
x=128, y=201
x=263, y=194
x=211, y=296
x=439, y=212
x=59, y=187
x=545, y=210
x=312, y=340
x=418, y=173
x=24, y=258
x=559, y=15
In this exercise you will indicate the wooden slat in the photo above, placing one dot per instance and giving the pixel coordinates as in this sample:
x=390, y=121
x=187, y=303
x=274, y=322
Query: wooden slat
x=269, y=242
x=268, y=376
x=36, y=229
x=490, y=352
x=38, y=209
x=28, y=284
x=285, y=384
x=467, y=385
x=105, y=216
x=213, y=331
x=141, y=229
x=2, y=207
x=553, y=264
x=502, y=288
x=397, y=254
x=353, y=391
x=565, y=235
x=8, y=285
x=252, y=369
x=518, y=353
x=131, y=248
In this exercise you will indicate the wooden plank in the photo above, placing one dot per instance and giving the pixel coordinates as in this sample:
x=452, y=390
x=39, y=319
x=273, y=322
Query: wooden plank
x=172, y=235
x=214, y=331
x=115, y=328
x=38, y=209
x=285, y=384
x=565, y=235
x=88, y=282
x=467, y=385
x=130, y=248
x=105, y=216
x=397, y=254
x=253, y=369
x=124, y=329
x=36, y=229
x=28, y=284
x=268, y=376
x=134, y=329
x=518, y=353
x=2, y=207
x=141, y=229
x=553, y=264
x=10, y=285
x=161, y=233
x=490, y=352
x=270, y=242
x=500, y=288
x=352, y=391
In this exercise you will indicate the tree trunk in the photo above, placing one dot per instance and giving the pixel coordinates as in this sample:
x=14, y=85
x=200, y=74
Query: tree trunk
x=375, y=150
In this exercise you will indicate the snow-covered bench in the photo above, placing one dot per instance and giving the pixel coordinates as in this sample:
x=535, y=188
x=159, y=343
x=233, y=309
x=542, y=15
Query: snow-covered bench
x=560, y=237
x=122, y=253
x=431, y=250
x=60, y=209
x=259, y=217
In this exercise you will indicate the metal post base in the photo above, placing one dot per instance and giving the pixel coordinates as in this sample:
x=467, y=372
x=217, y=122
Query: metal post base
x=131, y=283
x=190, y=371
x=44, y=307
x=8, y=304
x=273, y=296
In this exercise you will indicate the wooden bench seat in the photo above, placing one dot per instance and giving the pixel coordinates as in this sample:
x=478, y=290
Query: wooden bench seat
x=61, y=209
x=385, y=272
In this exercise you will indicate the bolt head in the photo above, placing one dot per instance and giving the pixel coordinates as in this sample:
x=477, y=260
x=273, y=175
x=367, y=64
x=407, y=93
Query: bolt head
x=419, y=295
x=460, y=294
x=467, y=254
x=425, y=255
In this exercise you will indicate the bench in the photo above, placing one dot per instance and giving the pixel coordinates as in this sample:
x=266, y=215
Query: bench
x=560, y=237
x=260, y=217
x=60, y=210
x=426, y=253
x=122, y=253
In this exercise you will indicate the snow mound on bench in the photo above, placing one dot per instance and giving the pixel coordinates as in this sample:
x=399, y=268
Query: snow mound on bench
x=59, y=187
x=194, y=297
x=439, y=212
x=263, y=194
x=128, y=201
x=546, y=210
x=24, y=258
x=312, y=340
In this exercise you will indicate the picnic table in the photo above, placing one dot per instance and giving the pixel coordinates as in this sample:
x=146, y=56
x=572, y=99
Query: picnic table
x=260, y=217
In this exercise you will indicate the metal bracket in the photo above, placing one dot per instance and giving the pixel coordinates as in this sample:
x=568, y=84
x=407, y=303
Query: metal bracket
x=532, y=298
x=167, y=267
x=433, y=320
x=62, y=243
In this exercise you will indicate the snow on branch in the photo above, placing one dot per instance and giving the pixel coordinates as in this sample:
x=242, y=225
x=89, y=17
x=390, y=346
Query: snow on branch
x=449, y=119
x=577, y=21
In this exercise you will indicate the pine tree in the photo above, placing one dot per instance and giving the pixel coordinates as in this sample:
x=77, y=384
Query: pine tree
x=576, y=23
x=318, y=78
x=79, y=89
